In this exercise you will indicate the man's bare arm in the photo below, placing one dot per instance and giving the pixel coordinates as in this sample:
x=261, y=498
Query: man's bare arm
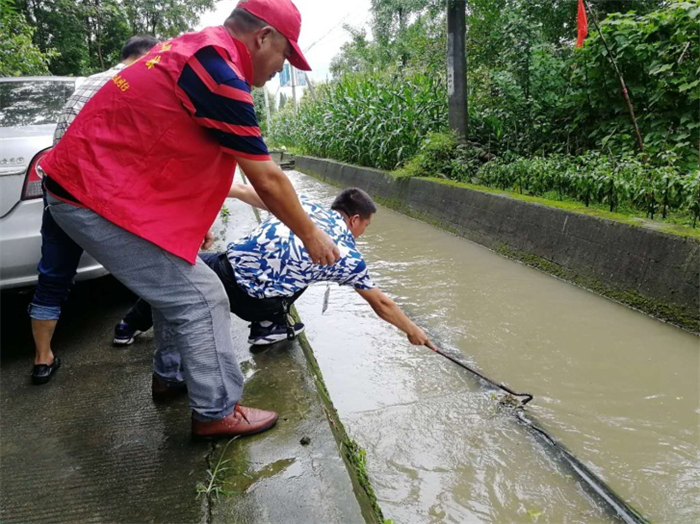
x=387, y=310
x=246, y=194
x=277, y=193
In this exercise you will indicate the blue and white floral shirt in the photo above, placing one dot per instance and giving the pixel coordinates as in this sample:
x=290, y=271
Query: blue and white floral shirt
x=272, y=261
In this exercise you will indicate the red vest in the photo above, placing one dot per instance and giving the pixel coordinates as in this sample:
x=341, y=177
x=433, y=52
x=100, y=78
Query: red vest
x=135, y=155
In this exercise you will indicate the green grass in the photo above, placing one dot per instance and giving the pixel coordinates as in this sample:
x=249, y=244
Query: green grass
x=596, y=211
x=225, y=214
x=213, y=486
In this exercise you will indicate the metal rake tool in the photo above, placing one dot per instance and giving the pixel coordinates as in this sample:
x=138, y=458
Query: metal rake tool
x=511, y=398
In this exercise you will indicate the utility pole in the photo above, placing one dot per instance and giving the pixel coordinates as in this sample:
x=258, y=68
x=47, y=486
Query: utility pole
x=267, y=108
x=457, y=66
x=310, y=87
x=293, y=75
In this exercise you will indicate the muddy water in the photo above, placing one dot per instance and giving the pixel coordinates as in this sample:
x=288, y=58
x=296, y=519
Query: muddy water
x=616, y=387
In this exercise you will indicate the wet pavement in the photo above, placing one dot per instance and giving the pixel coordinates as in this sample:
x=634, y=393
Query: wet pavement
x=92, y=446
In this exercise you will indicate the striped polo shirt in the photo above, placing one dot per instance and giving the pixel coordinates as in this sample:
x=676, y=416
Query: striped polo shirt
x=220, y=99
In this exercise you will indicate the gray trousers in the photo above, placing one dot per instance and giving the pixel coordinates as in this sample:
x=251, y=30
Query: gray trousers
x=191, y=309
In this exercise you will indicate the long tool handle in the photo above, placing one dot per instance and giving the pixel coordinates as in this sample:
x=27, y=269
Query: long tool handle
x=524, y=397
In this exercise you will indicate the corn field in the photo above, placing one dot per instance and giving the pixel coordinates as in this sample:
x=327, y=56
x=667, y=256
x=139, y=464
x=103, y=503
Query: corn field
x=368, y=120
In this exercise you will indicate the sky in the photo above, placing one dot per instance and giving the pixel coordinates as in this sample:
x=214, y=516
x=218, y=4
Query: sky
x=321, y=29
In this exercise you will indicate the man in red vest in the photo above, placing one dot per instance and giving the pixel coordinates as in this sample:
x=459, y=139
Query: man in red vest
x=143, y=170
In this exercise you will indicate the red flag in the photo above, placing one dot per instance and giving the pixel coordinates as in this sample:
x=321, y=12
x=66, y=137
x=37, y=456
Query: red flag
x=582, y=22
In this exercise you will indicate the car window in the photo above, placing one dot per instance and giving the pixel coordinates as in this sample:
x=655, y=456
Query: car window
x=33, y=102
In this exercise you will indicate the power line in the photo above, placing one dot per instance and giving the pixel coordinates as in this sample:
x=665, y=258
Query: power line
x=333, y=29
x=327, y=33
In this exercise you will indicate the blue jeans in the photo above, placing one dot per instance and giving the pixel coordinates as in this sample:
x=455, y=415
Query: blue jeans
x=60, y=257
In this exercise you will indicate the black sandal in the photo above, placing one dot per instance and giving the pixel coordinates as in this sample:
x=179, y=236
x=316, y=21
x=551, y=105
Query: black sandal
x=42, y=373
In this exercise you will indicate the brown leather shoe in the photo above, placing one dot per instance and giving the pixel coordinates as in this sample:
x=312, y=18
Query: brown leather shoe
x=243, y=421
x=163, y=390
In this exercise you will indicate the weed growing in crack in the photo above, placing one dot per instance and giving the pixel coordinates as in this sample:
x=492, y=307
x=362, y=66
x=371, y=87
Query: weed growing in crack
x=213, y=485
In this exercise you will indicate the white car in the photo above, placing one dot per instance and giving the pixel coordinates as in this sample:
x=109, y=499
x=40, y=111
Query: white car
x=29, y=110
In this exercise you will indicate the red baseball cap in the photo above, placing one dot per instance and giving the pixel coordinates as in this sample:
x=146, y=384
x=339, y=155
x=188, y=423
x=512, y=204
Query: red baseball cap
x=284, y=16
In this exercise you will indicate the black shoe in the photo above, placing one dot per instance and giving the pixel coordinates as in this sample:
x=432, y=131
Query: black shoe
x=262, y=336
x=42, y=373
x=124, y=334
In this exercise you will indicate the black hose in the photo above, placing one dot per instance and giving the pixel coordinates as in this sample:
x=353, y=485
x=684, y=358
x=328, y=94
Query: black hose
x=604, y=492
x=621, y=508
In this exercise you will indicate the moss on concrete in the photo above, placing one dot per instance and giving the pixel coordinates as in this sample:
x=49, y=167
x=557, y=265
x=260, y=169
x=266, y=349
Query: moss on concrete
x=354, y=456
x=672, y=229
x=665, y=227
x=631, y=298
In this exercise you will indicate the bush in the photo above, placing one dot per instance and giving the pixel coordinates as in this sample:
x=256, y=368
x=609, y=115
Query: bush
x=19, y=55
x=626, y=183
x=660, y=60
x=442, y=154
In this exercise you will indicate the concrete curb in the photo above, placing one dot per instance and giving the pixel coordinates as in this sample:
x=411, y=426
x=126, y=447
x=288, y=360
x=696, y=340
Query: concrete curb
x=295, y=473
x=352, y=454
x=651, y=271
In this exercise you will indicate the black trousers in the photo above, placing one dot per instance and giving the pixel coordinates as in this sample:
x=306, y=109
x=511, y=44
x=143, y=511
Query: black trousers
x=243, y=305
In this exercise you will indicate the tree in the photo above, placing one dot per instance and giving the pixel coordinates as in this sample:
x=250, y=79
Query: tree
x=411, y=33
x=19, y=55
x=260, y=111
x=391, y=24
x=88, y=34
x=164, y=19
x=414, y=46
x=660, y=60
x=390, y=18
x=494, y=25
x=356, y=55
x=108, y=29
